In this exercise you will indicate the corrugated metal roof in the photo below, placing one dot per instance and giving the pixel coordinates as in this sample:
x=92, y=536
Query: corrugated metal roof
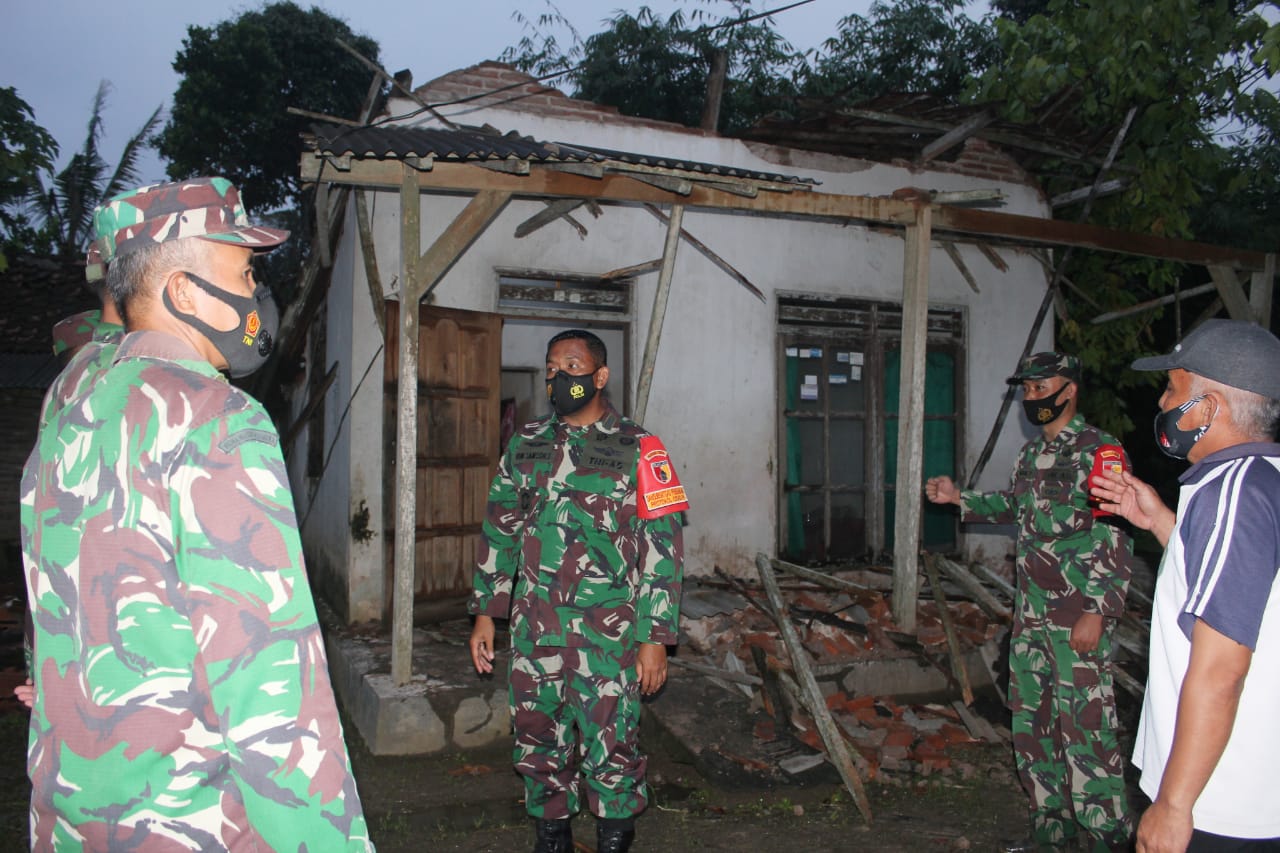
x=677, y=164
x=394, y=143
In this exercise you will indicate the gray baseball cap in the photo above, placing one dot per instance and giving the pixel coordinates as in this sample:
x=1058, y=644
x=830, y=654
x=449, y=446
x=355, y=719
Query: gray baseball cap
x=1234, y=352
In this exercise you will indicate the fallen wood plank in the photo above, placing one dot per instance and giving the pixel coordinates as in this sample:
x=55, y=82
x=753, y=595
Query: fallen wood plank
x=717, y=672
x=789, y=684
x=1127, y=681
x=820, y=578
x=971, y=585
x=953, y=642
x=993, y=579
x=975, y=723
x=837, y=749
x=775, y=704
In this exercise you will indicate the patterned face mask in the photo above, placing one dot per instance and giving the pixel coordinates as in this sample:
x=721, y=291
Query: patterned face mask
x=569, y=393
x=1173, y=439
x=247, y=346
x=1044, y=410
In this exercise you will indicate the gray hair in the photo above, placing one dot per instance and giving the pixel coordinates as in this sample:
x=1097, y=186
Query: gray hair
x=1255, y=415
x=132, y=277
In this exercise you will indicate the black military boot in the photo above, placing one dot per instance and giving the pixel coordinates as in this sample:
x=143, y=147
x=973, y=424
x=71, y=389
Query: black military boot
x=554, y=836
x=614, y=835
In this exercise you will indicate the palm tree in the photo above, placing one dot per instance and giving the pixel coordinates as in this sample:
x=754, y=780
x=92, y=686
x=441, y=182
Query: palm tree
x=63, y=211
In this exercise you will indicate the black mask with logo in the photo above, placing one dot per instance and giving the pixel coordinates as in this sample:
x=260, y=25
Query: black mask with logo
x=1045, y=411
x=569, y=393
x=247, y=346
x=1173, y=439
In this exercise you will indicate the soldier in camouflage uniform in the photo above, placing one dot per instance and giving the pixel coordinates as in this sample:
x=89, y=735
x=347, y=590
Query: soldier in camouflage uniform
x=87, y=340
x=182, y=694
x=72, y=333
x=582, y=549
x=1073, y=575
x=85, y=359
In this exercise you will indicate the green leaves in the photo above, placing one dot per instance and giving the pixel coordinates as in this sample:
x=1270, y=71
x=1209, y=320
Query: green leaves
x=230, y=113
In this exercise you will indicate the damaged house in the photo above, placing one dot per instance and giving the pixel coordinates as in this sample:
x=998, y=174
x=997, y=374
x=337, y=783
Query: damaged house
x=774, y=308
x=769, y=362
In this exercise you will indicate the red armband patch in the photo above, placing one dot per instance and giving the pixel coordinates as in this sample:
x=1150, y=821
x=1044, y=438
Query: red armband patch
x=658, y=489
x=1108, y=457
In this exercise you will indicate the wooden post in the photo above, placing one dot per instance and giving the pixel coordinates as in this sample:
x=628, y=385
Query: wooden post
x=715, y=88
x=907, y=489
x=406, y=431
x=370, y=255
x=1260, y=291
x=837, y=750
x=659, y=311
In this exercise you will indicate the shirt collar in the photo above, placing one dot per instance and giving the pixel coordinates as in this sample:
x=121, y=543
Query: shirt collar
x=1226, y=454
x=1069, y=430
x=164, y=347
x=607, y=423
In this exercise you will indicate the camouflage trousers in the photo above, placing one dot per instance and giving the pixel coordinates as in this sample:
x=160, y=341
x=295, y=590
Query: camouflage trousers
x=1065, y=738
x=576, y=714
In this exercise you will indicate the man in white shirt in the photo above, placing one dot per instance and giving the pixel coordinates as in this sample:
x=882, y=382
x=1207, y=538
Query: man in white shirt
x=1209, y=740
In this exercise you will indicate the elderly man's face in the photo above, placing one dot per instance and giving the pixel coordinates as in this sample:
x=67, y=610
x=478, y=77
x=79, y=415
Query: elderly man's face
x=229, y=267
x=1177, y=390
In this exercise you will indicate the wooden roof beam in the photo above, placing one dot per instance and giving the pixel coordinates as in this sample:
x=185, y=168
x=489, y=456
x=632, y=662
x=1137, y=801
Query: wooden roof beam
x=956, y=135
x=465, y=178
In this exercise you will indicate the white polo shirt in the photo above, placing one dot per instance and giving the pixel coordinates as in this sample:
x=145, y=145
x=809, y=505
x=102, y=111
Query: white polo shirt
x=1220, y=566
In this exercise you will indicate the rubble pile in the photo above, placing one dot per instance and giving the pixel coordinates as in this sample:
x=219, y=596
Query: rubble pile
x=889, y=694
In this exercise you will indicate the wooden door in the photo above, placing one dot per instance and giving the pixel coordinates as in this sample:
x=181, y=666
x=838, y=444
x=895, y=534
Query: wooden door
x=459, y=389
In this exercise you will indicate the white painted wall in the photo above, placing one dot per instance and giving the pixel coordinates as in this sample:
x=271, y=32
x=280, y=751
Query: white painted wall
x=714, y=396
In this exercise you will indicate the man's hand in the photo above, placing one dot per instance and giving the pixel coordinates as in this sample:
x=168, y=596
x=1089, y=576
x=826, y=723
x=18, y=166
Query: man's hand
x=482, y=644
x=942, y=490
x=1164, y=829
x=1086, y=633
x=1133, y=500
x=26, y=694
x=651, y=667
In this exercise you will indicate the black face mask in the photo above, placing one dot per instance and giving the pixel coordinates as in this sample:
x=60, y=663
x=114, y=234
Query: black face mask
x=247, y=346
x=569, y=393
x=1173, y=439
x=1045, y=411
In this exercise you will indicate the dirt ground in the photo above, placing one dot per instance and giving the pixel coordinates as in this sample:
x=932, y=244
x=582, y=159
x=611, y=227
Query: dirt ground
x=472, y=802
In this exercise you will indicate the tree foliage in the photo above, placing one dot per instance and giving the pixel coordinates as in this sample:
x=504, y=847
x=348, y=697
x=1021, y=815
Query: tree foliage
x=26, y=150
x=906, y=46
x=56, y=208
x=230, y=113
x=654, y=68
x=1189, y=68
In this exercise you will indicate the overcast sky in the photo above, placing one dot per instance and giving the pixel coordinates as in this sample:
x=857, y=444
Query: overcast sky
x=56, y=51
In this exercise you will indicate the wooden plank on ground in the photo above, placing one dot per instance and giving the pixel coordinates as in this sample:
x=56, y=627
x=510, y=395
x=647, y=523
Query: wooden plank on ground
x=944, y=614
x=976, y=723
x=837, y=749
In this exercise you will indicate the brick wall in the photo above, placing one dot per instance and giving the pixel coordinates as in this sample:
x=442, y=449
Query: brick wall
x=980, y=159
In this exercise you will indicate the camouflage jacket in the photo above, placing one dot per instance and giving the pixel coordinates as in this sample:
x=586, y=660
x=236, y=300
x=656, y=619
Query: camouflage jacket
x=91, y=358
x=182, y=692
x=1068, y=562
x=564, y=551
x=73, y=332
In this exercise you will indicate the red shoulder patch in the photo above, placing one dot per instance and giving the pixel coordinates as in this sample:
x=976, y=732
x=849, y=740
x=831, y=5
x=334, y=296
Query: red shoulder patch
x=658, y=490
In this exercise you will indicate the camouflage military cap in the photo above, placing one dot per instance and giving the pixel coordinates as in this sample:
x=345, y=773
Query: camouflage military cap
x=1043, y=365
x=209, y=208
